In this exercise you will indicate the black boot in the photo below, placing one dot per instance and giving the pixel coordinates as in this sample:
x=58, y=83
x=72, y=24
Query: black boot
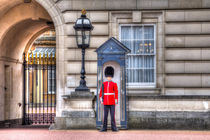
x=115, y=129
x=103, y=129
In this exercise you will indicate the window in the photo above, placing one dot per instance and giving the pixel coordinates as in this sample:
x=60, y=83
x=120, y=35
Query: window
x=140, y=65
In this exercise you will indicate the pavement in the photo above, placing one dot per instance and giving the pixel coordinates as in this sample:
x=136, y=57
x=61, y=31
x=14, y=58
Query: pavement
x=45, y=134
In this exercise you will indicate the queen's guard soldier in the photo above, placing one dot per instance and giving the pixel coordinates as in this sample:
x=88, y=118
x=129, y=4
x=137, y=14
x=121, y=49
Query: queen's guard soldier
x=109, y=97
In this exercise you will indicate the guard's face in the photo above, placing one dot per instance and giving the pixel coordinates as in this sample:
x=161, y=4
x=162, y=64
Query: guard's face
x=109, y=78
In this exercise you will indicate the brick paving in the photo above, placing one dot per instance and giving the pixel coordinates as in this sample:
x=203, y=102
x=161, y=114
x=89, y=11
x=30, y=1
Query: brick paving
x=45, y=134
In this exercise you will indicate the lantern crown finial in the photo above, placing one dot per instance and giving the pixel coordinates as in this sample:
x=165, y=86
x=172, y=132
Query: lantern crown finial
x=83, y=12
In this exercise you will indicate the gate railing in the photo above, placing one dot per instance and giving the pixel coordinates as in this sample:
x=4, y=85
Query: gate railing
x=39, y=88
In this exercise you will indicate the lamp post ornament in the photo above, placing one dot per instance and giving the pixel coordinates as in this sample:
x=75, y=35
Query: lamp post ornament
x=84, y=12
x=83, y=28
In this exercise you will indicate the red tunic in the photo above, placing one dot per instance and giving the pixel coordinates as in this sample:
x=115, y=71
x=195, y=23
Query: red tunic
x=112, y=90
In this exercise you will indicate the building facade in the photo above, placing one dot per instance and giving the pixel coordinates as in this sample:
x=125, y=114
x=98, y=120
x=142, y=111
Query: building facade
x=168, y=73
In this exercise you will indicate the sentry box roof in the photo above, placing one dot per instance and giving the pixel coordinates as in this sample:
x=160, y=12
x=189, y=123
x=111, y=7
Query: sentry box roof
x=112, y=46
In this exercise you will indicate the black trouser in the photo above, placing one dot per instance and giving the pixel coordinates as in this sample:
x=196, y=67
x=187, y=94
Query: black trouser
x=106, y=112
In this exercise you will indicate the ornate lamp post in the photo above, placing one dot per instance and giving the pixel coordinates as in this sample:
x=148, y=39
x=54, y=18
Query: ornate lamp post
x=83, y=28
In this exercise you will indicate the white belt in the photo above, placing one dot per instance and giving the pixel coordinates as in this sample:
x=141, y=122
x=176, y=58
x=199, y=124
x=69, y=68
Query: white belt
x=108, y=93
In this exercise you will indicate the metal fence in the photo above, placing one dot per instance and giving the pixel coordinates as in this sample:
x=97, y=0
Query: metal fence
x=39, y=88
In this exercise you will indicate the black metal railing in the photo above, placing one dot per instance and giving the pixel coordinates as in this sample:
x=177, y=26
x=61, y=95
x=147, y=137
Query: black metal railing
x=39, y=88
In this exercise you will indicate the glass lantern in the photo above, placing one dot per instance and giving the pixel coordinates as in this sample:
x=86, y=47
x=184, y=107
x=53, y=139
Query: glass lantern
x=83, y=28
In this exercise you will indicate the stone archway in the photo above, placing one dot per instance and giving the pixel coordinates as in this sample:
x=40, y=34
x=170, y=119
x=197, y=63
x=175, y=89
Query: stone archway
x=19, y=24
x=58, y=21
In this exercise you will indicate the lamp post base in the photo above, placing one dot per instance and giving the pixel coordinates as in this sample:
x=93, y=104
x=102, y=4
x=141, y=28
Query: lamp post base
x=82, y=86
x=81, y=115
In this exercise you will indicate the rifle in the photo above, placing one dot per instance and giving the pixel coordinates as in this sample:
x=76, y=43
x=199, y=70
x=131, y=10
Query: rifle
x=102, y=92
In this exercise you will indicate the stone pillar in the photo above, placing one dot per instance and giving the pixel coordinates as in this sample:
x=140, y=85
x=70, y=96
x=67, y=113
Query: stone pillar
x=78, y=112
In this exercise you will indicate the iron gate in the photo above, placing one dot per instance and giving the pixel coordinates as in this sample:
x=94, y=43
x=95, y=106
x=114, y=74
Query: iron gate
x=39, y=88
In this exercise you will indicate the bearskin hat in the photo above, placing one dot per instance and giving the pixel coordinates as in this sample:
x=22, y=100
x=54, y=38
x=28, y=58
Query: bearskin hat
x=109, y=71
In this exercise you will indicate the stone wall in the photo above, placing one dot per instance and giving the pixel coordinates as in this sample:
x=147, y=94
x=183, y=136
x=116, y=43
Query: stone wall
x=11, y=91
x=182, y=39
x=187, y=52
x=169, y=112
x=65, y=5
x=182, y=49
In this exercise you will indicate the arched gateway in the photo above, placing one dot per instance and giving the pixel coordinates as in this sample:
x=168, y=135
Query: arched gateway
x=21, y=23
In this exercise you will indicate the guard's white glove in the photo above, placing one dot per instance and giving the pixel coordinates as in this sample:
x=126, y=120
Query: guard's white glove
x=101, y=100
x=116, y=101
